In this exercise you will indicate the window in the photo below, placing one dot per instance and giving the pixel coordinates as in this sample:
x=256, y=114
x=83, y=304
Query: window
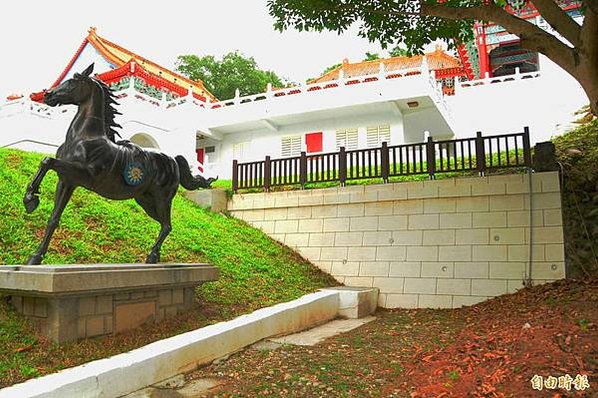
x=291, y=146
x=210, y=149
x=346, y=138
x=313, y=142
x=376, y=135
x=241, y=150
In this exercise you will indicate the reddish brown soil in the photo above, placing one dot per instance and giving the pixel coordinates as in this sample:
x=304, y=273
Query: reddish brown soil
x=492, y=349
x=546, y=331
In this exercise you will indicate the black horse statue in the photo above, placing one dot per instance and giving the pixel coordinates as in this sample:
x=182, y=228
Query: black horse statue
x=90, y=157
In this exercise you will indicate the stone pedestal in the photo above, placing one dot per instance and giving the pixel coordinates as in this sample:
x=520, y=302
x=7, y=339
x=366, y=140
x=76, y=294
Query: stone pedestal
x=71, y=302
x=214, y=199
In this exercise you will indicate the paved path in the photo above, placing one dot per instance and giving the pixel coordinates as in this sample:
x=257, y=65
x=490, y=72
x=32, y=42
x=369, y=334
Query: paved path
x=178, y=387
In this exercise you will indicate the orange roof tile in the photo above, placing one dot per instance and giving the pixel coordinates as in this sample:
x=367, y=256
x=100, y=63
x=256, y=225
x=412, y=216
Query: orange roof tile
x=120, y=56
x=437, y=60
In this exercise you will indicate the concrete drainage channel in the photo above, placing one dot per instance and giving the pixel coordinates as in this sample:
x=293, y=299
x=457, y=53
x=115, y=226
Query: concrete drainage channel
x=160, y=361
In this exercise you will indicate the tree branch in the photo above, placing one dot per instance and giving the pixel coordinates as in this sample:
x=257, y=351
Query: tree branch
x=559, y=20
x=592, y=5
x=589, y=36
x=532, y=37
x=386, y=12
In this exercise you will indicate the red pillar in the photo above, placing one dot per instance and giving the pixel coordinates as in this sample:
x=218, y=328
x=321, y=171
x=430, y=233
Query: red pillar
x=482, y=49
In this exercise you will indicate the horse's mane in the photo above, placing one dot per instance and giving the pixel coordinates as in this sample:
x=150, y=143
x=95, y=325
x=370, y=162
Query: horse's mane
x=110, y=111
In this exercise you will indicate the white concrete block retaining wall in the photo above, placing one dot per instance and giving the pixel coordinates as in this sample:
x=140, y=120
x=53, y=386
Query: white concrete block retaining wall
x=443, y=243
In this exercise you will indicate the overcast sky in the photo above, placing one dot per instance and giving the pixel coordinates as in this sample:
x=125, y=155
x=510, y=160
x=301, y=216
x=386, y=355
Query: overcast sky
x=39, y=38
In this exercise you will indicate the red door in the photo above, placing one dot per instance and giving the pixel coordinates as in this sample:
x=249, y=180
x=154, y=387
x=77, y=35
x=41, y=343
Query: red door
x=313, y=142
x=200, y=158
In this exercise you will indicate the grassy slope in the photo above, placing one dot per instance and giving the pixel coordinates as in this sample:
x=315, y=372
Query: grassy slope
x=255, y=270
x=578, y=153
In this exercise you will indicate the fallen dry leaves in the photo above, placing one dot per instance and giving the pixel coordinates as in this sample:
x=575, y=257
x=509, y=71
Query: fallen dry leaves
x=489, y=350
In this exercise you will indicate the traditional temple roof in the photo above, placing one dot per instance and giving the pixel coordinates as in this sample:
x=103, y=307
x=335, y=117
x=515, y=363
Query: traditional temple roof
x=444, y=64
x=127, y=63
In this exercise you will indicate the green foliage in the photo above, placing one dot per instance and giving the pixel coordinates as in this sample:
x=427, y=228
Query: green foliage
x=223, y=76
x=97, y=230
x=584, y=325
x=255, y=270
x=331, y=68
x=577, y=151
x=371, y=56
x=387, y=22
x=453, y=375
x=398, y=51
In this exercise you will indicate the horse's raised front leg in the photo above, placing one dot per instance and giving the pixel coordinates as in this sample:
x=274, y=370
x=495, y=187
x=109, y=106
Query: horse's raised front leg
x=31, y=199
x=63, y=194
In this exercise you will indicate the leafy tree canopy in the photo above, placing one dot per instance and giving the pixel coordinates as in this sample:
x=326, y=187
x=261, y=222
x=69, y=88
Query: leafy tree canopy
x=416, y=23
x=371, y=56
x=398, y=51
x=223, y=76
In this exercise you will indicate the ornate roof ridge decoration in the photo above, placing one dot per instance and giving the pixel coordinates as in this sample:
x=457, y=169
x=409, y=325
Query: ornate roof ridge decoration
x=438, y=60
x=122, y=59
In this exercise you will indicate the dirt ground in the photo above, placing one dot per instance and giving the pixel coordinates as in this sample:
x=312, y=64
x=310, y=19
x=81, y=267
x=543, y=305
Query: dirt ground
x=509, y=346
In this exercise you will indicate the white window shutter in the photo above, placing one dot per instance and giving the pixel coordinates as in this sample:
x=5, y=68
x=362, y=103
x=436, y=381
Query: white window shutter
x=291, y=146
x=372, y=137
x=351, y=139
x=341, y=139
x=376, y=135
x=384, y=134
x=346, y=138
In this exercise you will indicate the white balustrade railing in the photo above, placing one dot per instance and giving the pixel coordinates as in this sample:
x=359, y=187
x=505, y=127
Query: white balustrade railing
x=342, y=82
x=12, y=107
x=498, y=79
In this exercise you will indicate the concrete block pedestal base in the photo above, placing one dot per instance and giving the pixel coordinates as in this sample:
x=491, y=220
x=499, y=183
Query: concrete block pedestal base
x=71, y=302
x=356, y=302
x=214, y=199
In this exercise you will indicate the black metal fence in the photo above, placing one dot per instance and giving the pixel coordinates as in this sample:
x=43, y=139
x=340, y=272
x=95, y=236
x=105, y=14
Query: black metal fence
x=480, y=153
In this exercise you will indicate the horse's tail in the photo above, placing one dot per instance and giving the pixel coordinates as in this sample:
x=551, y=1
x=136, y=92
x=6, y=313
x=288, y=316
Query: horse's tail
x=188, y=181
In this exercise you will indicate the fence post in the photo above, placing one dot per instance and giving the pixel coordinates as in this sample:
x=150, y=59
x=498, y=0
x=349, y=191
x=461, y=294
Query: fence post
x=303, y=169
x=342, y=166
x=385, y=162
x=480, y=153
x=267, y=174
x=431, y=157
x=235, y=176
x=527, y=150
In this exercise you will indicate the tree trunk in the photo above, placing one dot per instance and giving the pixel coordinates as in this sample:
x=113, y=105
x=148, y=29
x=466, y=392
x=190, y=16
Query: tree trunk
x=581, y=61
x=588, y=78
x=588, y=63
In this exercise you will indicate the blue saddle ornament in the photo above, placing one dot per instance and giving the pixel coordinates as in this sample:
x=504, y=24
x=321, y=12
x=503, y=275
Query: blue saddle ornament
x=134, y=173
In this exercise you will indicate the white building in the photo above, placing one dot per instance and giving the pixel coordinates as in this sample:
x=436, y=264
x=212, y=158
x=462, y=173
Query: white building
x=397, y=100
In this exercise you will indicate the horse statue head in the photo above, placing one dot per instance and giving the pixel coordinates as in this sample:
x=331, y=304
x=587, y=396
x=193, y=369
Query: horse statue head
x=81, y=89
x=74, y=91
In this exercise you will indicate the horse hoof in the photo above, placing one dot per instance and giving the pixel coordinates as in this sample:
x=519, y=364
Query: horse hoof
x=31, y=202
x=152, y=258
x=35, y=259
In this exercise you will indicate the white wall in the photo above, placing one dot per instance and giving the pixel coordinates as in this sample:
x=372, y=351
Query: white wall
x=542, y=103
x=265, y=142
x=44, y=128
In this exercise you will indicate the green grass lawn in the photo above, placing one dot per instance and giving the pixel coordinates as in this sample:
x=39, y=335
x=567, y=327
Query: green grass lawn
x=255, y=270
